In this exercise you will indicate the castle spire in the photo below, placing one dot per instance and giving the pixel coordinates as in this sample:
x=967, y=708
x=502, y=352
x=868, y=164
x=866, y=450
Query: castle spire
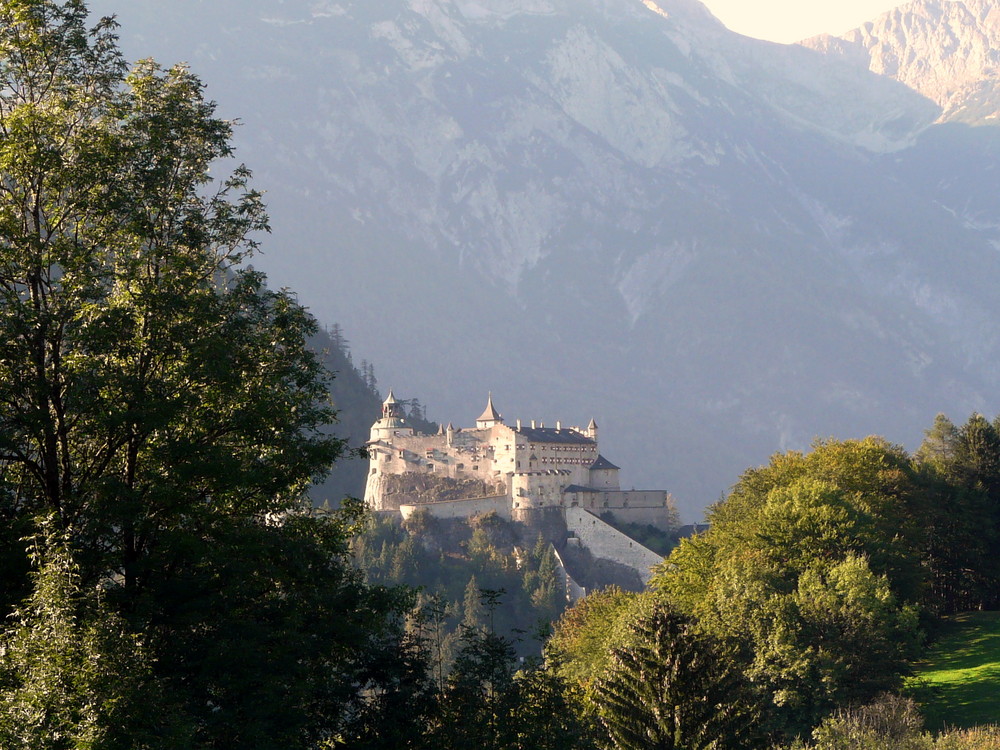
x=391, y=407
x=490, y=415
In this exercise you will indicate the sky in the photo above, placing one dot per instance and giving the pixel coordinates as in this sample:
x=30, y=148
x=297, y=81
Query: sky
x=792, y=20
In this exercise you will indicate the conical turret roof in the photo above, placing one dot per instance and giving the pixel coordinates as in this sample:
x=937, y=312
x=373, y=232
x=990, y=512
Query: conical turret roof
x=490, y=414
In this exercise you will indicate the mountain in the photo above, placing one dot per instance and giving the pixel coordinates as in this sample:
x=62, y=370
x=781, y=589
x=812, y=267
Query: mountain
x=948, y=50
x=718, y=247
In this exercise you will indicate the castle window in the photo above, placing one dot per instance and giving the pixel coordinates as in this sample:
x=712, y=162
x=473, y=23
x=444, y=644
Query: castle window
x=460, y=466
x=475, y=468
x=430, y=467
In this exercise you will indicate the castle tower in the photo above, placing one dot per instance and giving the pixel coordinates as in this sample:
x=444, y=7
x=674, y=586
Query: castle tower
x=393, y=421
x=592, y=430
x=604, y=475
x=490, y=415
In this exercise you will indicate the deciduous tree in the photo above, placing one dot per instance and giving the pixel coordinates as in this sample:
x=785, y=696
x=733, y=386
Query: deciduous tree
x=158, y=403
x=812, y=568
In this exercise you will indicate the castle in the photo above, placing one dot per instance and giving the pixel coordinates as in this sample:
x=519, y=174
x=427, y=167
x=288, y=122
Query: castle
x=516, y=471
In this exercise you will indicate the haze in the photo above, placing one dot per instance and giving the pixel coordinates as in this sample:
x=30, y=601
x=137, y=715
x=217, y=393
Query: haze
x=791, y=20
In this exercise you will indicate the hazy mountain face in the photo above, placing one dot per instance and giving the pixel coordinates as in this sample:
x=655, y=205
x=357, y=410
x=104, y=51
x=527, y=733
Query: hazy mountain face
x=718, y=247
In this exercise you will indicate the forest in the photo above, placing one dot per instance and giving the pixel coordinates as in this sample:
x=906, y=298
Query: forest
x=166, y=583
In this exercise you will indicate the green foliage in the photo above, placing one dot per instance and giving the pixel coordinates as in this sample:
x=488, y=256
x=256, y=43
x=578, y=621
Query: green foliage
x=978, y=738
x=479, y=695
x=545, y=710
x=144, y=378
x=672, y=687
x=72, y=675
x=812, y=569
x=452, y=561
x=892, y=723
x=838, y=638
x=582, y=639
x=961, y=470
x=164, y=413
x=486, y=703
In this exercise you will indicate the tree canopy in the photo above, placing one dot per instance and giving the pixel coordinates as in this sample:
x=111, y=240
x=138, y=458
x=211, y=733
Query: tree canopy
x=160, y=411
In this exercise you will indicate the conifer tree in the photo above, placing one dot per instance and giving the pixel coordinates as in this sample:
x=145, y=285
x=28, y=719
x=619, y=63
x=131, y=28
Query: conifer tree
x=670, y=688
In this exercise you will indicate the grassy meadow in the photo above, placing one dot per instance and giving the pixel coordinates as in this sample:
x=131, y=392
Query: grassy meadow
x=958, y=685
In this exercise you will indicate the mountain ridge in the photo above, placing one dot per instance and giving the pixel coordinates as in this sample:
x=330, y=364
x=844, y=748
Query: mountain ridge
x=716, y=246
x=947, y=50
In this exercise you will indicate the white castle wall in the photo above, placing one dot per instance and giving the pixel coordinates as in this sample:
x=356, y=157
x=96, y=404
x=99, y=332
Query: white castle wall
x=539, y=489
x=608, y=543
x=460, y=508
x=632, y=506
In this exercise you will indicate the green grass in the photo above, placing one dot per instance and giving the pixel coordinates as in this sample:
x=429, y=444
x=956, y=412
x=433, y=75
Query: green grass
x=958, y=685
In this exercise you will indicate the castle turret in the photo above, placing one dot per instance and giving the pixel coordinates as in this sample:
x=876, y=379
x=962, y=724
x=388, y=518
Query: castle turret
x=393, y=421
x=592, y=430
x=391, y=408
x=490, y=415
x=604, y=475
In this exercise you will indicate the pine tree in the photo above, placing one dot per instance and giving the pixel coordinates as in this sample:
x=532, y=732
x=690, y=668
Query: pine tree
x=669, y=688
x=336, y=335
x=473, y=612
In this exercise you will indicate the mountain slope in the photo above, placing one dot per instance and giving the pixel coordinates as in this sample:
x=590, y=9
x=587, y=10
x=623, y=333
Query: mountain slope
x=718, y=247
x=948, y=50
